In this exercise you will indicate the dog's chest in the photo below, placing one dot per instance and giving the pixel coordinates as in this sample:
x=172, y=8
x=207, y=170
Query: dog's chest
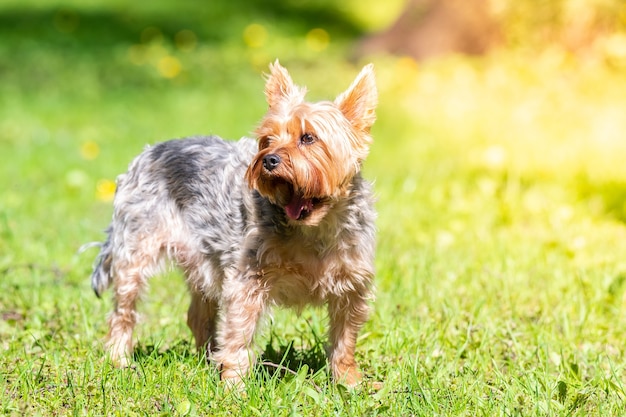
x=303, y=273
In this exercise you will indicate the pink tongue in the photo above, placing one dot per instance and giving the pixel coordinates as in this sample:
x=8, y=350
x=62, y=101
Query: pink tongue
x=297, y=205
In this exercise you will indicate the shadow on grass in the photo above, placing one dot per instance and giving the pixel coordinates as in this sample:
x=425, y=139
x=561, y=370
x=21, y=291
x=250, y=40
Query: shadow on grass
x=275, y=362
x=286, y=360
x=181, y=351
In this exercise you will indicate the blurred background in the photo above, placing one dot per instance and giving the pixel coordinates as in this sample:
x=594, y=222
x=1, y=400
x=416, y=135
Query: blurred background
x=499, y=162
x=474, y=96
x=480, y=92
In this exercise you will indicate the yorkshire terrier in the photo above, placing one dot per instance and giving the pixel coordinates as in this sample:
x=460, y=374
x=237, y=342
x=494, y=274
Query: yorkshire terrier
x=285, y=219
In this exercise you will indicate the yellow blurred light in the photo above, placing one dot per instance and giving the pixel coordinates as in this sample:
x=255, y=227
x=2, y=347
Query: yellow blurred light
x=255, y=35
x=444, y=239
x=615, y=46
x=406, y=68
x=317, y=39
x=495, y=156
x=169, y=66
x=105, y=190
x=89, y=150
x=374, y=15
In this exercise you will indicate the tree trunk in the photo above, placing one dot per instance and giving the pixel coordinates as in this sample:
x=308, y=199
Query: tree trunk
x=427, y=28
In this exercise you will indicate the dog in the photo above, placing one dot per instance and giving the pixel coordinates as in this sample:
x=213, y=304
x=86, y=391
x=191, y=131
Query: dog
x=286, y=219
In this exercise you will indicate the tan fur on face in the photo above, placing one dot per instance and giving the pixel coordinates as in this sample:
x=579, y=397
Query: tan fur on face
x=322, y=169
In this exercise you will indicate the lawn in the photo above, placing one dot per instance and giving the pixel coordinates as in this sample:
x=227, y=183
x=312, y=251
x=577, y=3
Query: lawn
x=501, y=184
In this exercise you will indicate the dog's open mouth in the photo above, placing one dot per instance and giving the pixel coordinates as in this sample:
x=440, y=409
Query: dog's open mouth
x=299, y=207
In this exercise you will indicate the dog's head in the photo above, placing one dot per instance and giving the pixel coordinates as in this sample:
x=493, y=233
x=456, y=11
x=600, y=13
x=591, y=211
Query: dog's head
x=309, y=152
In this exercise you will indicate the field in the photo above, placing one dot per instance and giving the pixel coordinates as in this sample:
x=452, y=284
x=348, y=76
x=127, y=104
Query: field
x=501, y=184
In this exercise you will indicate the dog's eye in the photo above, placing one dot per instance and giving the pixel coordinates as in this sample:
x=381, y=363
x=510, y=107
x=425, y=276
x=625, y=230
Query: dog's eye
x=307, y=139
x=264, y=142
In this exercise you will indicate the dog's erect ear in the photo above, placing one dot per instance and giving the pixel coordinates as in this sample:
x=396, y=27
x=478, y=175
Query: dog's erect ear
x=279, y=86
x=358, y=103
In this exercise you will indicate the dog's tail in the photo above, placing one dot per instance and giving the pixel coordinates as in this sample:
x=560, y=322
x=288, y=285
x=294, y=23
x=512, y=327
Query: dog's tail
x=101, y=276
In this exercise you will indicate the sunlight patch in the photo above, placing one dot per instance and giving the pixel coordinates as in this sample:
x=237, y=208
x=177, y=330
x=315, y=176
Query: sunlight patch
x=255, y=35
x=317, y=39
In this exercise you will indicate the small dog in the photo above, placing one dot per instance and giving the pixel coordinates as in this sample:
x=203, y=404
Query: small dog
x=285, y=221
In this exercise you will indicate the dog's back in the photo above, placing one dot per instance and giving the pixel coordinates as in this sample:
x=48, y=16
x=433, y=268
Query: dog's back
x=199, y=178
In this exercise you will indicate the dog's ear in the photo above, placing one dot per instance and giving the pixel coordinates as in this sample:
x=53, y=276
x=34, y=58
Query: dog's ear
x=279, y=86
x=358, y=103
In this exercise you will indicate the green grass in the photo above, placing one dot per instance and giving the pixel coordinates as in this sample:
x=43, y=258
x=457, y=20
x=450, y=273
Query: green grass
x=501, y=197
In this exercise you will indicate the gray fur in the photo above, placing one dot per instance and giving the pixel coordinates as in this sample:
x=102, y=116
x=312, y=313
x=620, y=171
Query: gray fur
x=201, y=180
x=203, y=176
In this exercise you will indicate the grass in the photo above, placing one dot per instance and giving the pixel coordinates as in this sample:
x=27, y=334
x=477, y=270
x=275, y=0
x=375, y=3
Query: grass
x=501, y=261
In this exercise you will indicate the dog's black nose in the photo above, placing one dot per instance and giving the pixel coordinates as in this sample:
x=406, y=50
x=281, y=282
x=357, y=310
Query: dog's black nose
x=271, y=161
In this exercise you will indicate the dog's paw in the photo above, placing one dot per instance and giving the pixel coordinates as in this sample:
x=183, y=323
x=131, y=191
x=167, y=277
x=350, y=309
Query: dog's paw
x=350, y=376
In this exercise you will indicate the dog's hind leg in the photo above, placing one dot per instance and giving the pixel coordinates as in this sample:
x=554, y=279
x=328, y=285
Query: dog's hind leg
x=201, y=319
x=129, y=282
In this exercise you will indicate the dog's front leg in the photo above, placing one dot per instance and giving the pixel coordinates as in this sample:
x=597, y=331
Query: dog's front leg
x=347, y=316
x=243, y=305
